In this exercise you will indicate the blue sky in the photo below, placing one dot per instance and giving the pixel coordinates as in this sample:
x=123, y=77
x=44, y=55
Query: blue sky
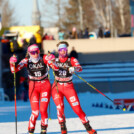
x=23, y=11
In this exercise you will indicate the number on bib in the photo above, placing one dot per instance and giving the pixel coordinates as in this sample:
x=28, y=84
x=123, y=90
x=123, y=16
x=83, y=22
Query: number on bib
x=62, y=73
x=37, y=74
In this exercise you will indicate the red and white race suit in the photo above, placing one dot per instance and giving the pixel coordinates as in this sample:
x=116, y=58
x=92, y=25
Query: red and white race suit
x=64, y=87
x=39, y=87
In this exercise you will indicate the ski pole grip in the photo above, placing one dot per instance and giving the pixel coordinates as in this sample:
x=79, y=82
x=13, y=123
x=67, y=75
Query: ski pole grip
x=49, y=52
x=14, y=55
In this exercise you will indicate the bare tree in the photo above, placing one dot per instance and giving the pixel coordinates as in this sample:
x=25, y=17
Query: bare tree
x=7, y=14
x=113, y=14
x=76, y=13
x=52, y=16
x=122, y=16
x=71, y=15
x=120, y=5
x=88, y=15
x=59, y=12
x=47, y=14
x=101, y=10
x=1, y=2
x=81, y=14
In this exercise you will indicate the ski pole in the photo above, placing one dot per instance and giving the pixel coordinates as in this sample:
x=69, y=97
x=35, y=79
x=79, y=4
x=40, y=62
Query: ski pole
x=50, y=97
x=15, y=97
x=58, y=94
x=97, y=90
x=57, y=88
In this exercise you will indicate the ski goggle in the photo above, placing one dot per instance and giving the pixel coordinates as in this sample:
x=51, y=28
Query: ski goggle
x=34, y=52
x=65, y=49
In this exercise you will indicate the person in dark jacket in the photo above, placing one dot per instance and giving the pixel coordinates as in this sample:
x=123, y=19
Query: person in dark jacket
x=74, y=53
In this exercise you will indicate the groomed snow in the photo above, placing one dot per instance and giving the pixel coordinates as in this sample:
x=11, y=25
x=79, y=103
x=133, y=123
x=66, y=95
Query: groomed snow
x=104, y=120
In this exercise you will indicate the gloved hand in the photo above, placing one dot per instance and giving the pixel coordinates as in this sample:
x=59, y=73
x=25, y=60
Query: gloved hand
x=50, y=57
x=71, y=70
x=13, y=60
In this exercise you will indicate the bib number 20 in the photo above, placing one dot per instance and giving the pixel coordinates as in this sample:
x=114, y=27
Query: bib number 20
x=62, y=73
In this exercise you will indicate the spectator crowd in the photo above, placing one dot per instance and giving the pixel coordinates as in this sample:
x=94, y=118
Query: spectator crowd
x=78, y=34
x=84, y=34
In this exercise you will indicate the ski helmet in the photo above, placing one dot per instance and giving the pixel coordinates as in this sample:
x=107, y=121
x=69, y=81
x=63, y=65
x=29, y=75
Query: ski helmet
x=62, y=46
x=33, y=48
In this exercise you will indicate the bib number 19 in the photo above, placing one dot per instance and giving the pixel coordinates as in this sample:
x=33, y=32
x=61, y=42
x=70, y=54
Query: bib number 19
x=37, y=74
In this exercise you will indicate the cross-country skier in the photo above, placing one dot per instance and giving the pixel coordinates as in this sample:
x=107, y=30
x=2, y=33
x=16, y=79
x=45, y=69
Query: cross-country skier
x=39, y=85
x=63, y=86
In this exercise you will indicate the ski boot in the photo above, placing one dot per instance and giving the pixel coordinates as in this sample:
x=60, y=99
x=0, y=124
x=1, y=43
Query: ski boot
x=89, y=128
x=31, y=131
x=43, y=130
x=63, y=128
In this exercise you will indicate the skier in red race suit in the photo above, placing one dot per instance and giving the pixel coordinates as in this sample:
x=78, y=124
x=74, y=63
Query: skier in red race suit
x=63, y=86
x=39, y=85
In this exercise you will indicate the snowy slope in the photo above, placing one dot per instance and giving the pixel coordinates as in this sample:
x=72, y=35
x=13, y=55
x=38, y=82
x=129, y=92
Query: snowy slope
x=105, y=121
x=106, y=124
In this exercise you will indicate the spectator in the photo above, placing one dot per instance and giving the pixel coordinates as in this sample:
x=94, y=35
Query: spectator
x=15, y=45
x=61, y=35
x=69, y=35
x=80, y=34
x=92, y=35
x=32, y=40
x=74, y=33
x=86, y=33
x=107, y=33
x=51, y=37
x=74, y=53
x=47, y=37
x=25, y=45
x=100, y=33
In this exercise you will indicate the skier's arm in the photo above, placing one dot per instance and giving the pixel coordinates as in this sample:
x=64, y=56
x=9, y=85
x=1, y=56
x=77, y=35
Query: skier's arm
x=75, y=65
x=22, y=64
x=50, y=61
